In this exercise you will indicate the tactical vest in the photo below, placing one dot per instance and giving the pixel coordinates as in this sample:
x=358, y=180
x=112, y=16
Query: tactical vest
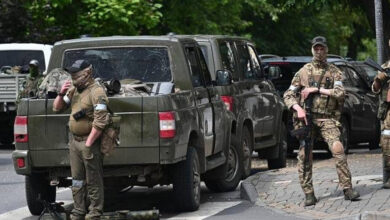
x=323, y=105
x=383, y=104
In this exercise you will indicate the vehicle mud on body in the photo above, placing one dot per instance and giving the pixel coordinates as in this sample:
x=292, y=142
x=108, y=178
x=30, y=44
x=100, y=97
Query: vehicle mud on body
x=174, y=128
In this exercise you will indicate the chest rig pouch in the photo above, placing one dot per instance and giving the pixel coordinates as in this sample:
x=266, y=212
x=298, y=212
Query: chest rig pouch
x=322, y=104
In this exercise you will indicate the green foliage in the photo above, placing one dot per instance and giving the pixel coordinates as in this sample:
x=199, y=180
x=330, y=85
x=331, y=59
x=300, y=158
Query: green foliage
x=59, y=19
x=283, y=27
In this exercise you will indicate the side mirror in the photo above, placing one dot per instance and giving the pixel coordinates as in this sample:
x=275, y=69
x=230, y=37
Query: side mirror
x=223, y=77
x=274, y=72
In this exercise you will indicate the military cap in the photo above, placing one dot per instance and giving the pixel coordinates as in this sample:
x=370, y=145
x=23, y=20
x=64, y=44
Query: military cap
x=77, y=66
x=34, y=63
x=319, y=40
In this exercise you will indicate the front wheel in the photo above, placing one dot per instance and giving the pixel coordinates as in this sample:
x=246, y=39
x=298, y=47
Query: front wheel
x=246, y=147
x=280, y=161
x=37, y=186
x=186, y=182
x=232, y=170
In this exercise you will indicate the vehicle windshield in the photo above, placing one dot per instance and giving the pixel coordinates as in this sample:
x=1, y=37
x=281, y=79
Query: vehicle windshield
x=22, y=58
x=288, y=71
x=147, y=64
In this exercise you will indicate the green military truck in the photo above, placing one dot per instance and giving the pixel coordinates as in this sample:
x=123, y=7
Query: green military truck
x=176, y=131
x=260, y=114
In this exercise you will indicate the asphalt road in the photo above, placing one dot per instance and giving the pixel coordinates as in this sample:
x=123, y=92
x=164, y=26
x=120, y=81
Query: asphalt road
x=213, y=205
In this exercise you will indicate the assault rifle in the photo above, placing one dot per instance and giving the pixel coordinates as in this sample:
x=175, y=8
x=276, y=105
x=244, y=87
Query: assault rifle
x=376, y=66
x=305, y=133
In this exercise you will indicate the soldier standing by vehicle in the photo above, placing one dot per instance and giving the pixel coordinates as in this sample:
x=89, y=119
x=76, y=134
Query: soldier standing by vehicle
x=323, y=81
x=32, y=82
x=89, y=116
x=381, y=86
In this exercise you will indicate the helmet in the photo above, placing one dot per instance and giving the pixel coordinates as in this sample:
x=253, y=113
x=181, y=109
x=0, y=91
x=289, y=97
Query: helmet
x=34, y=63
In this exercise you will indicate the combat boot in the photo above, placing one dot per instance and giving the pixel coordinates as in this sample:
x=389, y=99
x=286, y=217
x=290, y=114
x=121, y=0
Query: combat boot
x=310, y=199
x=350, y=194
x=386, y=185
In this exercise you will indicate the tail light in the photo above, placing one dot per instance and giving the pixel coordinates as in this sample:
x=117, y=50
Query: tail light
x=167, y=124
x=20, y=129
x=228, y=100
x=20, y=162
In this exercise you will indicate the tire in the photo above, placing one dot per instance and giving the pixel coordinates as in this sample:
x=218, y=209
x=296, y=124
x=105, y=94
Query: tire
x=280, y=161
x=345, y=134
x=38, y=185
x=246, y=148
x=232, y=170
x=186, y=182
x=374, y=143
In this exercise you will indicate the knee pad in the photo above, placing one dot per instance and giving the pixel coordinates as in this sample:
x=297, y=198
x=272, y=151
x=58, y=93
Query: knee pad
x=337, y=148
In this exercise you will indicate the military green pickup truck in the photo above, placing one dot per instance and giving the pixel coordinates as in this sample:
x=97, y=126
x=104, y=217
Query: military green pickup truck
x=176, y=131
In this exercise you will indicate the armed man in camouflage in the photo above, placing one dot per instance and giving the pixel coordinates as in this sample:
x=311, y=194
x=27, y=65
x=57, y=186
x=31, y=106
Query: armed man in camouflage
x=89, y=116
x=32, y=82
x=381, y=86
x=324, y=81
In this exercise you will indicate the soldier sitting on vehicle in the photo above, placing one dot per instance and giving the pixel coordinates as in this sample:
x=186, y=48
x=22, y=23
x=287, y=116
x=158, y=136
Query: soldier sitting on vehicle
x=32, y=82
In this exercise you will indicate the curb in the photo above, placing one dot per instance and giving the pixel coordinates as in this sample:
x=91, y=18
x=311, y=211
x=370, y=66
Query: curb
x=248, y=191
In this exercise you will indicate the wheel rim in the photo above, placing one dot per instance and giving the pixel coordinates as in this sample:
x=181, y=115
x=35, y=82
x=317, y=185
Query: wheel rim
x=232, y=168
x=196, y=180
x=247, y=154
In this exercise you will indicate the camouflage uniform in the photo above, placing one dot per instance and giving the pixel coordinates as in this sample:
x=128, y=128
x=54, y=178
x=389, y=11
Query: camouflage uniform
x=384, y=116
x=52, y=83
x=30, y=86
x=326, y=113
x=87, y=162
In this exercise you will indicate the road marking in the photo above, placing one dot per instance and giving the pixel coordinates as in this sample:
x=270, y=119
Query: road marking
x=22, y=213
x=205, y=210
x=283, y=182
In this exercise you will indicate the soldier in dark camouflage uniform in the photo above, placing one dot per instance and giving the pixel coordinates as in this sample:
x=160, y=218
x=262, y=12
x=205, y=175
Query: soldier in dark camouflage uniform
x=89, y=116
x=32, y=82
x=327, y=102
x=380, y=86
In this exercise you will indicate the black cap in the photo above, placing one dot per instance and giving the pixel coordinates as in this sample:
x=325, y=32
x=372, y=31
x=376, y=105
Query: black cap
x=77, y=66
x=319, y=40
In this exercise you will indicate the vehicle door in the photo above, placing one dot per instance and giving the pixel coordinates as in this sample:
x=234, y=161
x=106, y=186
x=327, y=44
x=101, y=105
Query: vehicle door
x=354, y=101
x=268, y=112
x=218, y=106
x=202, y=98
x=250, y=88
x=365, y=105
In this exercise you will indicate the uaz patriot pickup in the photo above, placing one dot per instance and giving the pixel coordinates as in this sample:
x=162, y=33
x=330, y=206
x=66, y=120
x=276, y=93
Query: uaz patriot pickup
x=179, y=132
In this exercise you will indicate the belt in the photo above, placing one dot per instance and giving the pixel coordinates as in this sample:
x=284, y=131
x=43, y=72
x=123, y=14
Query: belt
x=386, y=132
x=80, y=138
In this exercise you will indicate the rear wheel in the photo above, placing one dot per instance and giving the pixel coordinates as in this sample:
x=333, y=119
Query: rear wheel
x=232, y=170
x=280, y=161
x=246, y=147
x=345, y=132
x=186, y=182
x=374, y=143
x=37, y=186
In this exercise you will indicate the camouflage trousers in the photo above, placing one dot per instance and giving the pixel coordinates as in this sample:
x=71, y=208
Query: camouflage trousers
x=385, y=145
x=87, y=179
x=329, y=131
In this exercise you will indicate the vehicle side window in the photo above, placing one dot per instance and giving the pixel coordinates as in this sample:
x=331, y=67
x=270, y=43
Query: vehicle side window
x=346, y=76
x=227, y=57
x=205, y=70
x=244, y=62
x=255, y=61
x=197, y=80
x=357, y=81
